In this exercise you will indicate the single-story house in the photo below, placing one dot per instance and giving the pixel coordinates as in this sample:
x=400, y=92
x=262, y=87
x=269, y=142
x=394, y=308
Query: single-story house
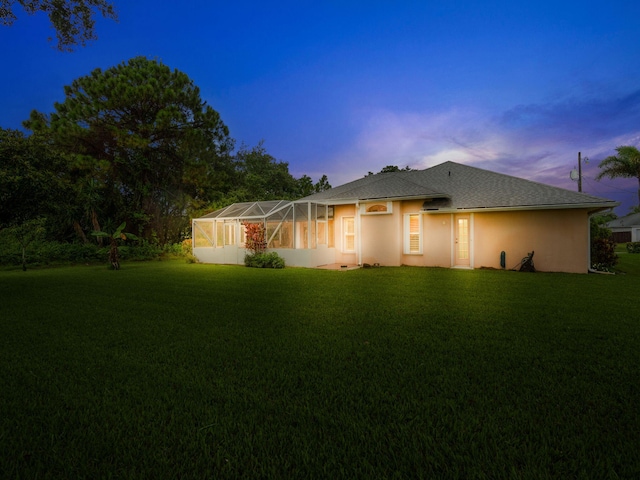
x=449, y=215
x=625, y=229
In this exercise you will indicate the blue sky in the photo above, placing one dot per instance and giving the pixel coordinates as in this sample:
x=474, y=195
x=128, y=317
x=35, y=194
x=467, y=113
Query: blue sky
x=347, y=87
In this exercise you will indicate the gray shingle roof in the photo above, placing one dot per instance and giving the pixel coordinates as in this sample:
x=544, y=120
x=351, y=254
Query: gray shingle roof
x=628, y=221
x=463, y=187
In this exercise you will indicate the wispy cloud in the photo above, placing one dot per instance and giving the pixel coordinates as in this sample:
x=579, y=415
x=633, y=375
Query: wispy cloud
x=539, y=142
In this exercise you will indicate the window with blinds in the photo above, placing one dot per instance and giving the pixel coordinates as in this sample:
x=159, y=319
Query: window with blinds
x=349, y=234
x=412, y=233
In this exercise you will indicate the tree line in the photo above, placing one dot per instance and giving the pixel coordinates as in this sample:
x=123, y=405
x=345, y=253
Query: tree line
x=133, y=143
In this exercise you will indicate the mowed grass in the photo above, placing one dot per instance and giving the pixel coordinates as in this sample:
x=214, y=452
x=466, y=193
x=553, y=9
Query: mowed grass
x=171, y=370
x=628, y=263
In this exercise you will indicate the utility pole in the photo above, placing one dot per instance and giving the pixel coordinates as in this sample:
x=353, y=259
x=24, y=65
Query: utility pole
x=579, y=172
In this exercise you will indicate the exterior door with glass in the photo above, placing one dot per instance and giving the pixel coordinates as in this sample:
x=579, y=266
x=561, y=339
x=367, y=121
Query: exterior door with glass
x=462, y=244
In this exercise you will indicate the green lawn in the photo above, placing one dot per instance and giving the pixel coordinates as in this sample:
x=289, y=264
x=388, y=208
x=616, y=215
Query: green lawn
x=628, y=264
x=171, y=370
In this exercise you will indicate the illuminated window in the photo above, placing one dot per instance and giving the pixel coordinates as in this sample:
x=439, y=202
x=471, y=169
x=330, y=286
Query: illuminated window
x=412, y=233
x=376, y=208
x=348, y=234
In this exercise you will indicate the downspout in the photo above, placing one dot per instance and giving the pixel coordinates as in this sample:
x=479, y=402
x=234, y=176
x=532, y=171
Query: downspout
x=358, y=235
x=472, y=246
x=452, y=245
x=589, y=269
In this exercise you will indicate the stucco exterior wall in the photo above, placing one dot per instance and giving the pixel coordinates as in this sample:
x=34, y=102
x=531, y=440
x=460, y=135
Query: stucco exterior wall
x=381, y=237
x=436, y=231
x=558, y=237
x=436, y=238
x=339, y=212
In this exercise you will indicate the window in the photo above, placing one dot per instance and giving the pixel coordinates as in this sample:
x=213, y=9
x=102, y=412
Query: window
x=376, y=208
x=412, y=234
x=348, y=234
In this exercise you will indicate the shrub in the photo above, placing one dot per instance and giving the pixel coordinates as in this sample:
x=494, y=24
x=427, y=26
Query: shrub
x=187, y=251
x=143, y=251
x=598, y=226
x=183, y=249
x=255, y=235
x=44, y=253
x=264, y=260
x=187, y=247
x=66, y=252
x=633, y=247
x=173, y=249
x=603, y=254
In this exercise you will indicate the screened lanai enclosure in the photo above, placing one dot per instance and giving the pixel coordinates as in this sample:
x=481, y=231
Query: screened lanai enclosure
x=300, y=232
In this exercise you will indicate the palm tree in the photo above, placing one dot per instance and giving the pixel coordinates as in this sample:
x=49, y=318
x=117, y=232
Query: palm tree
x=626, y=165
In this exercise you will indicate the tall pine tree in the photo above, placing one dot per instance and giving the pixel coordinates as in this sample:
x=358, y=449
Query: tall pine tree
x=142, y=133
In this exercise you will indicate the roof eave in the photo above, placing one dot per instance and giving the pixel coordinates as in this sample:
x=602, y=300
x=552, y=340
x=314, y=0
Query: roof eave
x=593, y=208
x=351, y=201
